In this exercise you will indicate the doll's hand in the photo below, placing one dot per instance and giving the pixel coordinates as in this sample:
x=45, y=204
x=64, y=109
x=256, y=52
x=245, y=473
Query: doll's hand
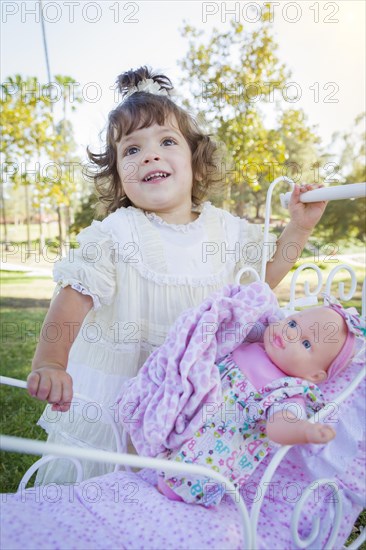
x=53, y=384
x=319, y=433
x=305, y=215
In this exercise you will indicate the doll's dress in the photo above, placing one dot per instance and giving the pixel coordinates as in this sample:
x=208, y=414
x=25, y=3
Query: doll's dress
x=232, y=439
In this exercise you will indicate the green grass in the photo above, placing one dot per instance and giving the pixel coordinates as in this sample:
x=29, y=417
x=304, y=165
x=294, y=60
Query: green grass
x=282, y=290
x=19, y=412
x=25, y=300
x=16, y=277
x=29, y=289
x=25, y=303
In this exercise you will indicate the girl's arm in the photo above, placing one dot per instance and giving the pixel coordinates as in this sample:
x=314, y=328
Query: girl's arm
x=304, y=217
x=286, y=429
x=49, y=380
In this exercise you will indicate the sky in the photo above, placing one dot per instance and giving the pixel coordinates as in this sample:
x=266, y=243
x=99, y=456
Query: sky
x=322, y=43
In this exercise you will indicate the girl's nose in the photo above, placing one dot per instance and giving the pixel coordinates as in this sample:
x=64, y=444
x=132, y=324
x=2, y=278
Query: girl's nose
x=148, y=157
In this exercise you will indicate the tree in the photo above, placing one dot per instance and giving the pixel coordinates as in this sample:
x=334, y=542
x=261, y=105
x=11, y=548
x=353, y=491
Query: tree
x=38, y=149
x=86, y=214
x=65, y=150
x=26, y=127
x=233, y=78
x=344, y=220
x=301, y=145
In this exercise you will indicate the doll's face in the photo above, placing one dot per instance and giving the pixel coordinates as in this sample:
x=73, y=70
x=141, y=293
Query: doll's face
x=305, y=344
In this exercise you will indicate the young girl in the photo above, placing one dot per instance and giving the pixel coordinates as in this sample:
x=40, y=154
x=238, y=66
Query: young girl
x=190, y=404
x=160, y=250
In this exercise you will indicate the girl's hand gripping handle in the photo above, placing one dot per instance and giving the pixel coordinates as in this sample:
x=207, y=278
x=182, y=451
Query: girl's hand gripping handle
x=335, y=192
x=53, y=384
x=49, y=380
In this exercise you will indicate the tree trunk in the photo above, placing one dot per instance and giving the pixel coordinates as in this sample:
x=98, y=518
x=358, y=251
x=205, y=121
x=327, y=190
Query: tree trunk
x=227, y=199
x=257, y=209
x=59, y=221
x=42, y=241
x=27, y=214
x=67, y=222
x=4, y=221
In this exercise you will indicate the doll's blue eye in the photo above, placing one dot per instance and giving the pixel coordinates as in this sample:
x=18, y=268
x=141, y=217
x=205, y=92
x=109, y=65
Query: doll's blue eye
x=292, y=324
x=306, y=344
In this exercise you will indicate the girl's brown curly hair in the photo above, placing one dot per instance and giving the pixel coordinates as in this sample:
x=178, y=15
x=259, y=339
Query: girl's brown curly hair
x=141, y=110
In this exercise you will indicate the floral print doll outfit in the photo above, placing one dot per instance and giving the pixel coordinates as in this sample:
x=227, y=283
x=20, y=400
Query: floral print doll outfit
x=232, y=439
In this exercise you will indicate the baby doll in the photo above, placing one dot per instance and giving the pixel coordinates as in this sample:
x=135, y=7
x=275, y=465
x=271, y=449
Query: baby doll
x=268, y=388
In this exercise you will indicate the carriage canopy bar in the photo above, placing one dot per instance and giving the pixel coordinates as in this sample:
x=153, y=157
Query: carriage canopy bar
x=336, y=192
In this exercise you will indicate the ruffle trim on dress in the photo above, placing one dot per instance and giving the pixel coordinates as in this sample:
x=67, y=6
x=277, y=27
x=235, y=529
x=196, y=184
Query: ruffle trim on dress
x=219, y=278
x=63, y=283
x=182, y=228
x=83, y=290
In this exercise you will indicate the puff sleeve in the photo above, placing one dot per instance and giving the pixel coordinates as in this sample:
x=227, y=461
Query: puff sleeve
x=90, y=268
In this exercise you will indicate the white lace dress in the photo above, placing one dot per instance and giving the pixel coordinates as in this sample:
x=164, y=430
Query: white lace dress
x=141, y=273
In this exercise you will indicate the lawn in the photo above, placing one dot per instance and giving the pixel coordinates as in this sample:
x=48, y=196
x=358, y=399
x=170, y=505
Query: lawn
x=25, y=300
x=20, y=286
x=309, y=277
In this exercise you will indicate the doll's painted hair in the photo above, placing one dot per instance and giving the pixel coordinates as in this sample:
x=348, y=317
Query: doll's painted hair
x=141, y=110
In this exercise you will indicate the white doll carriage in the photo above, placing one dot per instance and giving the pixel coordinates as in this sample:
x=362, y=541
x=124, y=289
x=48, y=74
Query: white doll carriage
x=301, y=497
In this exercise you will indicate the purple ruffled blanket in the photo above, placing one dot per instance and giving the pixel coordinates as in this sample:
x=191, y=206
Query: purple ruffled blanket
x=161, y=406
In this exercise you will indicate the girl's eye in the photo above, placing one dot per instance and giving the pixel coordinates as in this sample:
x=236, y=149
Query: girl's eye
x=169, y=141
x=292, y=324
x=131, y=150
x=306, y=344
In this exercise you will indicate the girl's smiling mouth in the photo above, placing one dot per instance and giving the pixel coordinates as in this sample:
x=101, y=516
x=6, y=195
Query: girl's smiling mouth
x=155, y=176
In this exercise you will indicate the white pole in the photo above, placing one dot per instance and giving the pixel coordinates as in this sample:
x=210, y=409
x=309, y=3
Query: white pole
x=334, y=193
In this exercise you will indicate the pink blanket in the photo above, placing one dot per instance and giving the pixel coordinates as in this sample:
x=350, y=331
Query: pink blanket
x=125, y=510
x=161, y=406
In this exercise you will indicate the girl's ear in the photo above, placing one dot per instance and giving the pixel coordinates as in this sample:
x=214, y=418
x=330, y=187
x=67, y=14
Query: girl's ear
x=318, y=376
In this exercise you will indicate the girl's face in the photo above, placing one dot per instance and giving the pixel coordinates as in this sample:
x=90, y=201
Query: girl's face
x=155, y=168
x=305, y=344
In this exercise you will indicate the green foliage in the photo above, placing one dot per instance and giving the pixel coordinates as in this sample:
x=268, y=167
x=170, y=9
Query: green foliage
x=301, y=146
x=232, y=78
x=38, y=147
x=345, y=220
x=86, y=214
